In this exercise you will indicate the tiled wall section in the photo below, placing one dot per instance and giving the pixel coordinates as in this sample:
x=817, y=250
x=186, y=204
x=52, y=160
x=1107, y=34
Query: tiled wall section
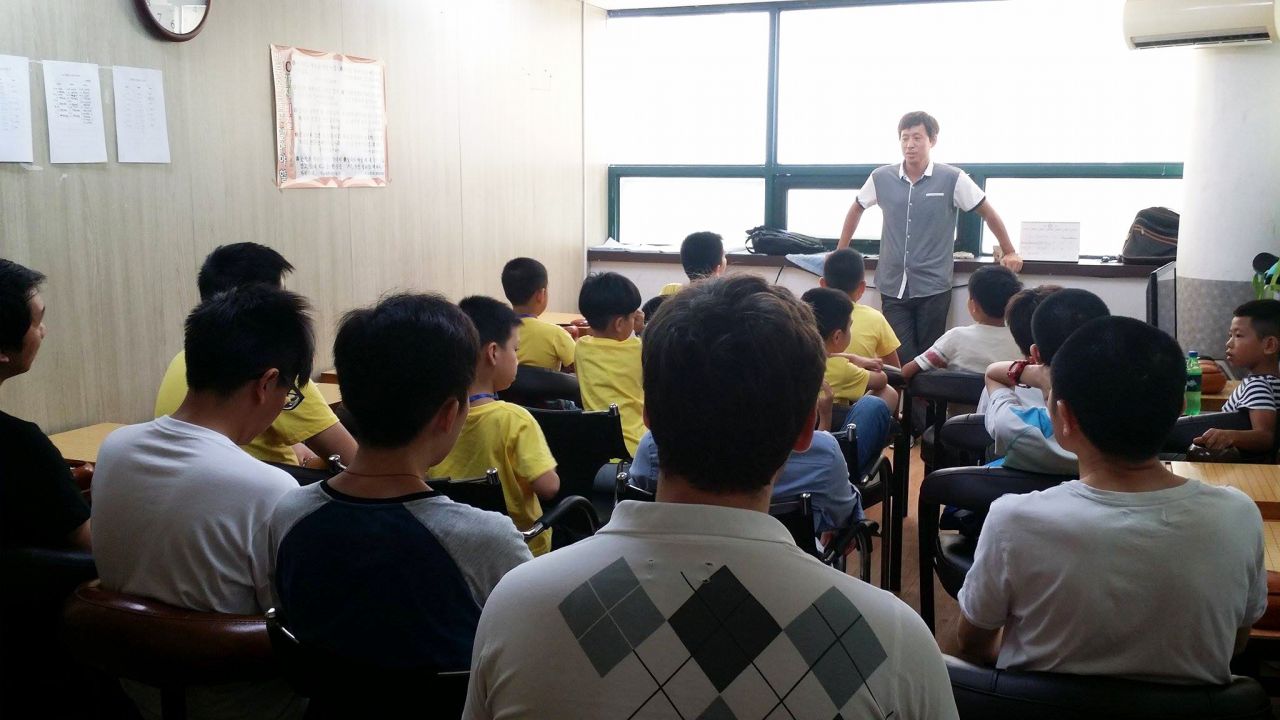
x=1204, y=312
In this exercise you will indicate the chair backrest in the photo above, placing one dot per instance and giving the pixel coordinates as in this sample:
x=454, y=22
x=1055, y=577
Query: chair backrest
x=484, y=492
x=796, y=515
x=534, y=386
x=161, y=645
x=967, y=435
x=992, y=694
x=582, y=442
x=975, y=488
x=948, y=386
x=339, y=687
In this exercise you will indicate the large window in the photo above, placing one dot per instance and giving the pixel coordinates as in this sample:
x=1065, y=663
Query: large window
x=776, y=115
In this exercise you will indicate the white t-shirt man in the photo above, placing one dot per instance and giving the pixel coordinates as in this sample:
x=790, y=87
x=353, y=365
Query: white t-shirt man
x=970, y=347
x=180, y=514
x=1142, y=585
x=683, y=611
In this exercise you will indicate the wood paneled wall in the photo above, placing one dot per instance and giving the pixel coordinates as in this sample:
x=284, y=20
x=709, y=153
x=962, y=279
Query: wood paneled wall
x=485, y=122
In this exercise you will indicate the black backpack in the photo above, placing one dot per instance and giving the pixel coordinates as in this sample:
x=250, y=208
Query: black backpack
x=1153, y=237
x=769, y=241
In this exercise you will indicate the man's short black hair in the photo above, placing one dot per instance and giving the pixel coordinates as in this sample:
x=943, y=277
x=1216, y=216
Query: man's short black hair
x=919, y=117
x=1061, y=314
x=605, y=296
x=399, y=361
x=237, y=264
x=745, y=353
x=650, y=307
x=701, y=253
x=494, y=321
x=1124, y=380
x=832, y=309
x=844, y=270
x=1017, y=314
x=522, y=277
x=17, y=285
x=1264, y=316
x=991, y=286
x=237, y=335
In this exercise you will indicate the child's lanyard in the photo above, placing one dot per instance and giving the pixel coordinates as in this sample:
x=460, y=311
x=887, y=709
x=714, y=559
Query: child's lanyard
x=482, y=396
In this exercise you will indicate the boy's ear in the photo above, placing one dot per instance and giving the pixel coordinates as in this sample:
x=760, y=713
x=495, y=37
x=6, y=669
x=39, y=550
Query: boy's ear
x=490, y=353
x=1070, y=424
x=541, y=295
x=448, y=414
x=805, y=438
x=1271, y=345
x=1035, y=354
x=862, y=288
x=265, y=383
x=822, y=282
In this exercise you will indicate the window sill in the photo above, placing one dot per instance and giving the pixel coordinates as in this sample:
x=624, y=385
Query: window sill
x=1083, y=268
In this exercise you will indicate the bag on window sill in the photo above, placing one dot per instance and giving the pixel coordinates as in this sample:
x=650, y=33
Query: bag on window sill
x=1153, y=237
x=770, y=241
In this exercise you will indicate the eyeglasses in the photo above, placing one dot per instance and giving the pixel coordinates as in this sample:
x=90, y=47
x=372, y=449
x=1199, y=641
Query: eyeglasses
x=293, y=399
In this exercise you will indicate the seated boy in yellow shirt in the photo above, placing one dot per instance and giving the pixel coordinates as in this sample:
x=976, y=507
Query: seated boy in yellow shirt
x=307, y=431
x=542, y=344
x=499, y=434
x=702, y=255
x=608, y=360
x=870, y=337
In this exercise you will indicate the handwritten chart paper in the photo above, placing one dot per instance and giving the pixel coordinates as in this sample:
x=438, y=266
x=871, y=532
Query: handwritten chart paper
x=73, y=99
x=1052, y=241
x=331, y=119
x=142, y=130
x=15, y=110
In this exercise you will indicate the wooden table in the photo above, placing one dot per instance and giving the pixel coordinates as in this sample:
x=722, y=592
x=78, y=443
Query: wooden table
x=332, y=395
x=81, y=445
x=560, y=318
x=1212, y=402
x=328, y=376
x=1260, y=482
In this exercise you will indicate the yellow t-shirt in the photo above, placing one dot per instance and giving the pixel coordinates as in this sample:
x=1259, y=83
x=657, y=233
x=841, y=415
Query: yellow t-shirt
x=848, y=381
x=544, y=345
x=871, y=335
x=275, y=444
x=670, y=289
x=609, y=373
x=504, y=436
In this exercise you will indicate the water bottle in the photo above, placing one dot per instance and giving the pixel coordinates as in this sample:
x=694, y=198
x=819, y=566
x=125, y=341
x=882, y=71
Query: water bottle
x=1194, y=378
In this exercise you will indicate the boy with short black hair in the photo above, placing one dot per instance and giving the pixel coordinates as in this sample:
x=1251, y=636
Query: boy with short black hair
x=608, y=360
x=870, y=335
x=372, y=565
x=40, y=505
x=1051, y=566
x=867, y=391
x=702, y=256
x=499, y=434
x=1253, y=344
x=542, y=344
x=1017, y=316
x=987, y=340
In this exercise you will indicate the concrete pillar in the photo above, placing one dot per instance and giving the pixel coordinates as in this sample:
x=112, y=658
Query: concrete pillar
x=1231, y=211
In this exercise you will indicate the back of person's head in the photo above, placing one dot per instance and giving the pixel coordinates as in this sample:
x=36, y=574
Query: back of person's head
x=17, y=285
x=745, y=353
x=522, y=278
x=1017, y=314
x=1124, y=381
x=919, y=117
x=844, y=270
x=701, y=253
x=1061, y=314
x=991, y=286
x=237, y=264
x=650, y=307
x=494, y=321
x=236, y=336
x=1263, y=315
x=400, y=361
x=832, y=309
x=606, y=296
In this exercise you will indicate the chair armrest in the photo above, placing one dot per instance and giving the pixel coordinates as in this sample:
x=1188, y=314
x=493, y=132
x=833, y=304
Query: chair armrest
x=966, y=432
x=895, y=376
x=839, y=544
x=1193, y=426
x=572, y=503
x=952, y=386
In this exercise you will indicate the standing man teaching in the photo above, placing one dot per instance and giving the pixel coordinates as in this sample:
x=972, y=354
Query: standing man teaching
x=920, y=201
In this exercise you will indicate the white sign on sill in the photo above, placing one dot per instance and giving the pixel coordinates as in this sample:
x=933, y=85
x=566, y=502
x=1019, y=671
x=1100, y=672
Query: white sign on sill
x=1051, y=241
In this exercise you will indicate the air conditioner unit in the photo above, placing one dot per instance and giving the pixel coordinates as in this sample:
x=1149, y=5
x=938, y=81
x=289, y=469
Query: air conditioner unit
x=1170, y=23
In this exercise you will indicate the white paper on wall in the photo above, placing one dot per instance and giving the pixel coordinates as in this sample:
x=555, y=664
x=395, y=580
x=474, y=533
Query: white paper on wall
x=73, y=101
x=142, y=130
x=15, y=110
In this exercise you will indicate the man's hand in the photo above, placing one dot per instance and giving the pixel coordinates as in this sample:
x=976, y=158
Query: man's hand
x=1215, y=439
x=1013, y=261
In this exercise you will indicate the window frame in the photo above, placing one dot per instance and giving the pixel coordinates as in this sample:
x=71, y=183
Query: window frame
x=779, y=178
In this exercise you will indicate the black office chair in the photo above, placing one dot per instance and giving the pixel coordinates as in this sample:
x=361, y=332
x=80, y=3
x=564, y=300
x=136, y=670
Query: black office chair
x=1191, y=427
x=969, y=488
x=307, y=476
x=966, y=438
x=536, y=387
x=582, y=443
x=879, y=485
x=988, y=694
x=486, y=493
x=796, y=514
x=340, y=687
x=938, y=389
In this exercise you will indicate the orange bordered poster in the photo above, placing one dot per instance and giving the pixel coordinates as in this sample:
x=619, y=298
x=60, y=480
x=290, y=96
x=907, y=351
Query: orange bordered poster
x=331, y=119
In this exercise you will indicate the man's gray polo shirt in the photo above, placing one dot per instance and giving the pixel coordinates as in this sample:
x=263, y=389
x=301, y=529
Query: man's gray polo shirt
x=918, y=236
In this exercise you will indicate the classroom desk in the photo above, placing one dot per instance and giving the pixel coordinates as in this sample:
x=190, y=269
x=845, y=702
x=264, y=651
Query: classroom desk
x=81, y=445
x=332, y=395
x=1212, y=402
x=329, y=377
x=1260, y=482
x=560, y=318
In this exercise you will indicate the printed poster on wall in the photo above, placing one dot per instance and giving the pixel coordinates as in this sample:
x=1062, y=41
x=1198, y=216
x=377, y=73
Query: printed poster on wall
x=331, y=119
